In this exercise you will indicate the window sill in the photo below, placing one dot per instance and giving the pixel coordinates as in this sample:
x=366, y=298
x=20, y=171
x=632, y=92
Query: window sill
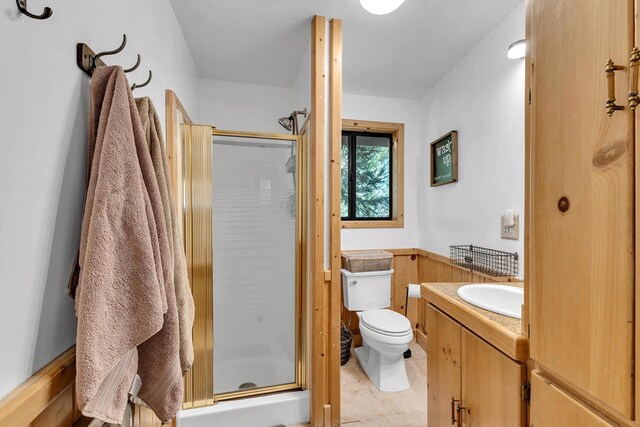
x=394, y=223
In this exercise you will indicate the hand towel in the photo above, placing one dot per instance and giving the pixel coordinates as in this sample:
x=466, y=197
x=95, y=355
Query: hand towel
x=184, y=297
x=125, y=301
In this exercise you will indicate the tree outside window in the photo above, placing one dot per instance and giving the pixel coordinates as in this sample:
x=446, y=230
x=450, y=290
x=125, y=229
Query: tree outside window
x=366, y=181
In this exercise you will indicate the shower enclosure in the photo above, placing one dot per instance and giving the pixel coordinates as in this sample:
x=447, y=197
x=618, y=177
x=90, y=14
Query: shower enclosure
x=256, y=274
x=243, y=216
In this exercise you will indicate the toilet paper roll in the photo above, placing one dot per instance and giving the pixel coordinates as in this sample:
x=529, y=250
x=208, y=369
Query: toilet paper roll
x=414, y=291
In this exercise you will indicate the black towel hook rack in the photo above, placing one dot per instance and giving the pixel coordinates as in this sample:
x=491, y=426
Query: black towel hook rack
x=135, y=67
x=137, y=86
x=22, y=7
x=88, y=60
x=119, y=49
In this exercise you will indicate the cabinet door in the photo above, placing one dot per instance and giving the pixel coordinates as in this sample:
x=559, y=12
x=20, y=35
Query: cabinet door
x=551, y=407
x=491, y=386
x=582, y=197
x=443, y=371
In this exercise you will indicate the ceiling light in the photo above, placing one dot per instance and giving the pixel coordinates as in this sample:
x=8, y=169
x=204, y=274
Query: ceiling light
x=517, y=50
x=381, y=7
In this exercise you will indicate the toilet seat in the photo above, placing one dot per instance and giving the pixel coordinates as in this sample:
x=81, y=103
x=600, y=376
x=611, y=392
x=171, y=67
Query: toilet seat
x=386, y=322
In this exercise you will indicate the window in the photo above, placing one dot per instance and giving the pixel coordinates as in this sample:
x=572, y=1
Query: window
x=366, y=176
x=371, y=181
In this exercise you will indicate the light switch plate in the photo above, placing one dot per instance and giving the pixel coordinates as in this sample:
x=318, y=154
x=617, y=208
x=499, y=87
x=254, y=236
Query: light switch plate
x=510, y=232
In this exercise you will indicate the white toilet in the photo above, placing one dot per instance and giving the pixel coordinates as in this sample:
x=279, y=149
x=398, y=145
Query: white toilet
x=386, y=334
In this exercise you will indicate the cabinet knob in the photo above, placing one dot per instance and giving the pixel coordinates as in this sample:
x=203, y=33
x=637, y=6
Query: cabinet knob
x=563, y=204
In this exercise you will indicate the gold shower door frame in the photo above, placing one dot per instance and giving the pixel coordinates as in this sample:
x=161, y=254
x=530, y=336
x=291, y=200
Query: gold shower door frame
x=197, y=207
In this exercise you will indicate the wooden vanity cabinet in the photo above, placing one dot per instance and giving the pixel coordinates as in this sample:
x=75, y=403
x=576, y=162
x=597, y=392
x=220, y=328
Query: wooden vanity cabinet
x=485, y=385
x=491, y=386
x=444, y=358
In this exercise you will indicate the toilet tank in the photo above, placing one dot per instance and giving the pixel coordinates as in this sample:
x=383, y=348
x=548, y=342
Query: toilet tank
x=370, y=290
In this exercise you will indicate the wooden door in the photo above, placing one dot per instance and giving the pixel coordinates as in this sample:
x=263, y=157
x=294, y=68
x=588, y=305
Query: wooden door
x=582, y=198
x=443, y=372
x=491, y=386
x=551, y=407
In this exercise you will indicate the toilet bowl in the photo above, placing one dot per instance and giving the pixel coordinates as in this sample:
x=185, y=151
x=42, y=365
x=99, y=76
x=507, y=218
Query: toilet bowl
x=385, y=337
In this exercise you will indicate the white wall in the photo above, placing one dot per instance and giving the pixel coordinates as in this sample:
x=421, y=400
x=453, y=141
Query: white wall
x=389, y=110
x=43, y=119
x=241, y=106
x=483, y=98
x=302, y=86
x=250, y=107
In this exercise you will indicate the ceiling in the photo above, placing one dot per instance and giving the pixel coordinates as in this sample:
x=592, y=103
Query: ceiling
x=402, y=54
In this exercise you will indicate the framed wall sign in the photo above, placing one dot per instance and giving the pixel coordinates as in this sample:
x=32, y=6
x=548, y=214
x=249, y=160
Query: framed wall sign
x=444, y=159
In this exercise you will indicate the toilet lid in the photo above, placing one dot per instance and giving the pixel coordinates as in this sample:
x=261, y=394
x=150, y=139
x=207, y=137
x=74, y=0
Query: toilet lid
x=387, y=322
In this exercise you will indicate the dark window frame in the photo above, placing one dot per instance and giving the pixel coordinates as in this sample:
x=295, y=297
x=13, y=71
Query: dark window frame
x=351, y=166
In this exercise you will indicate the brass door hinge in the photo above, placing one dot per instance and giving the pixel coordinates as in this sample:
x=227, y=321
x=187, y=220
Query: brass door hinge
x=525, y=392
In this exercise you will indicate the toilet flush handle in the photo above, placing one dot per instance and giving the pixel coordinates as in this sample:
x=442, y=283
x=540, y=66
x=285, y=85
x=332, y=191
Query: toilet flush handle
x=353, y=282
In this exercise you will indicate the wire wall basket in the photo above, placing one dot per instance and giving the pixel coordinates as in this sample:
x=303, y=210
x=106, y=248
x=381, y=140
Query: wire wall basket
x=485, y=260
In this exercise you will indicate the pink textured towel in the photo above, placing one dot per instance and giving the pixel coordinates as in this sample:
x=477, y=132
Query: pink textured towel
x=184, y=297
x=125, y=300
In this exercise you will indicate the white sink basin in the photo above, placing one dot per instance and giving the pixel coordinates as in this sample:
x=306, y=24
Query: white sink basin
x=501, y=299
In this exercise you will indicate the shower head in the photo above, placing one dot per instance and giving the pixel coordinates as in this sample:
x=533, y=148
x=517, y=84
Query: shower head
x=290, y=123
x=286, y=122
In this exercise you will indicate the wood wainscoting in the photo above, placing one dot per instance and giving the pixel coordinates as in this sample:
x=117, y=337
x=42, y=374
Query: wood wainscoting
x=415, y=265
x=47, y=399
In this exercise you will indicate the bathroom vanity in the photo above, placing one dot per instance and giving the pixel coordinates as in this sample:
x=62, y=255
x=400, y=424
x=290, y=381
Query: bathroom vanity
x=477, y=358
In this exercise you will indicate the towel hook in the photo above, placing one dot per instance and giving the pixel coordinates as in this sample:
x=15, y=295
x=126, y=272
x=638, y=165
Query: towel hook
x=22, y=7
x=136, y=86
x=128, y=70
x=110, y=52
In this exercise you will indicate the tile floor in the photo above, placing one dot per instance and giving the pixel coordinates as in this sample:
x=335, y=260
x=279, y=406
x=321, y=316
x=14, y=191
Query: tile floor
x=362, y=404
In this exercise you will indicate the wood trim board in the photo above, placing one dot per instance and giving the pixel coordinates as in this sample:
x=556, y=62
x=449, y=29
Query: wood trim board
x=175, y=116
x=335, y=125
x=24, y=404
x=319, y=382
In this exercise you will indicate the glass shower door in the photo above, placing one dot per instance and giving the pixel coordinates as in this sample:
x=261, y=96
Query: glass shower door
x=256, y=253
